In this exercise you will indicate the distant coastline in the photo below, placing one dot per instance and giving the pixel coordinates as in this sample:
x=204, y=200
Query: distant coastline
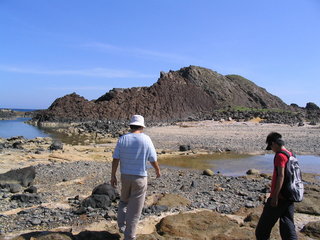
x=20, y=109
x=14, y=113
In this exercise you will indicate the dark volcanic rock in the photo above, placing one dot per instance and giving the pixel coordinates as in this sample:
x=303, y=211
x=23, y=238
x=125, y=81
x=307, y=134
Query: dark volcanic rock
x=31, y=189
x=17, y=145
x=102, y=197
x=97, y=201
x=187, y=93
x=106, y=189
x=183, y=148
x=56, y=145
x=312, y=106
x=26, y=198
x=23, y=176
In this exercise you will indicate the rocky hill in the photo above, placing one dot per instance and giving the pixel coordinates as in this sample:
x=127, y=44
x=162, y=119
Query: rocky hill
x=189, y=92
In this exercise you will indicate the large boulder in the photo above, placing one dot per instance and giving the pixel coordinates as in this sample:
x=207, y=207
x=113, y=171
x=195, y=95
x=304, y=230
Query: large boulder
x=23, y=176
x=173, y=200
x=310, y=203
x=106, y=189
x=102, y=197
x=97, y=201
x=202, y=225
x=312, y=229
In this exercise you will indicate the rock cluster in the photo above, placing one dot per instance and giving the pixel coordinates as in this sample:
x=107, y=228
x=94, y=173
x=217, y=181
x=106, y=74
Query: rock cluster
x=192, y=190
x=23, y=176
x=19, y=143
x=177, y=190
x=102, y=197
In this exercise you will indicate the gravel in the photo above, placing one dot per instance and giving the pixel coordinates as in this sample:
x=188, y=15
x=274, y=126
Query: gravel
x=241, y=137
x=220, y=193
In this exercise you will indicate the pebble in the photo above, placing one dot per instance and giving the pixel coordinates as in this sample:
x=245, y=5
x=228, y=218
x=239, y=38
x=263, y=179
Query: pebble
x=35, y=221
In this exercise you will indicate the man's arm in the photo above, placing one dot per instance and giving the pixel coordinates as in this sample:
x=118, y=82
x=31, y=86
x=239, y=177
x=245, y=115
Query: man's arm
x=115, y=164
x=279, y=183
x=156, y=167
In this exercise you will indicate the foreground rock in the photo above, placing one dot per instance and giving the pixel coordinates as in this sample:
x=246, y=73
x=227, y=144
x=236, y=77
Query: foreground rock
x=311, y=202
x=23, y=176
x=202, y=225
x=312, y=229
x=102, y=197
x=85, y=235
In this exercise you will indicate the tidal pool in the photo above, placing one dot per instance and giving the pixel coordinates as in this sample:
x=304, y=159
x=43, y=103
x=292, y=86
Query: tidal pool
x=237, y=164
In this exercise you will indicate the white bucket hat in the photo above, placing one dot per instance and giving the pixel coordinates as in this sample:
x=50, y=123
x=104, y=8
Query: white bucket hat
x=137, y=120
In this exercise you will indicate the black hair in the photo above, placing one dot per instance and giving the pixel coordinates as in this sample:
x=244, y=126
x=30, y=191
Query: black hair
x=276, y=138
x=272, y=137
x=279, y=142
x=135, y=127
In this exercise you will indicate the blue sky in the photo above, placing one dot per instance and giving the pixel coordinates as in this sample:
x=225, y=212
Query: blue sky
x=52, y=48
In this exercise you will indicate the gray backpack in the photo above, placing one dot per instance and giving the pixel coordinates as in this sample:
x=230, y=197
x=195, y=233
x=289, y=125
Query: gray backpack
x=292, y=188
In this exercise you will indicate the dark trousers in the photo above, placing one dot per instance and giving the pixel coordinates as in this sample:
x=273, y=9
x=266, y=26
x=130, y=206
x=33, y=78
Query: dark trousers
x=269, y=217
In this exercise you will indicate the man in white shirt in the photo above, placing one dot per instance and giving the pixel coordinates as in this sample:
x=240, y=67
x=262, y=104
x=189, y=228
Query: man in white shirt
x=133, y=150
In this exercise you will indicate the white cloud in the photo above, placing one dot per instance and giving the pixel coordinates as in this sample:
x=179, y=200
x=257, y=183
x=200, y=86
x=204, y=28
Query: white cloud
x=92, y=72
x=139, y=52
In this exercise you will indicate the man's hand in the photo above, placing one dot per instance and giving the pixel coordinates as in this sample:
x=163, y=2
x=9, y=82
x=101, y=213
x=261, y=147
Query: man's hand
x=114, y=182
x=156, y=168
x=274, y=202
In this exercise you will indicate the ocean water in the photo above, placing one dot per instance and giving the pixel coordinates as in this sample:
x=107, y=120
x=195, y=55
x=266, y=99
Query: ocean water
x=21, y=109
x=17, y=127
x=227, y=164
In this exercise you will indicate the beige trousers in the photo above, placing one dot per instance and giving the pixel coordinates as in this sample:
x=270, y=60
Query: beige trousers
x=133, y=192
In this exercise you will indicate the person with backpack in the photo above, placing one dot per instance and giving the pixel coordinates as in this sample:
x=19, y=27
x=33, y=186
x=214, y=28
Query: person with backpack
x=280, y=204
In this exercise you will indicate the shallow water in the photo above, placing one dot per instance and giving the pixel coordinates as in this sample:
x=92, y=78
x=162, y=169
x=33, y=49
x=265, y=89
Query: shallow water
x=17, y=127
x=237, y=165
x=226, y=163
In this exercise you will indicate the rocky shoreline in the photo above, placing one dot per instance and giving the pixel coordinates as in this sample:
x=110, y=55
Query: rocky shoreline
x=65, y=177
x=223, y=135
x=62, y=187
x=8, y=114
